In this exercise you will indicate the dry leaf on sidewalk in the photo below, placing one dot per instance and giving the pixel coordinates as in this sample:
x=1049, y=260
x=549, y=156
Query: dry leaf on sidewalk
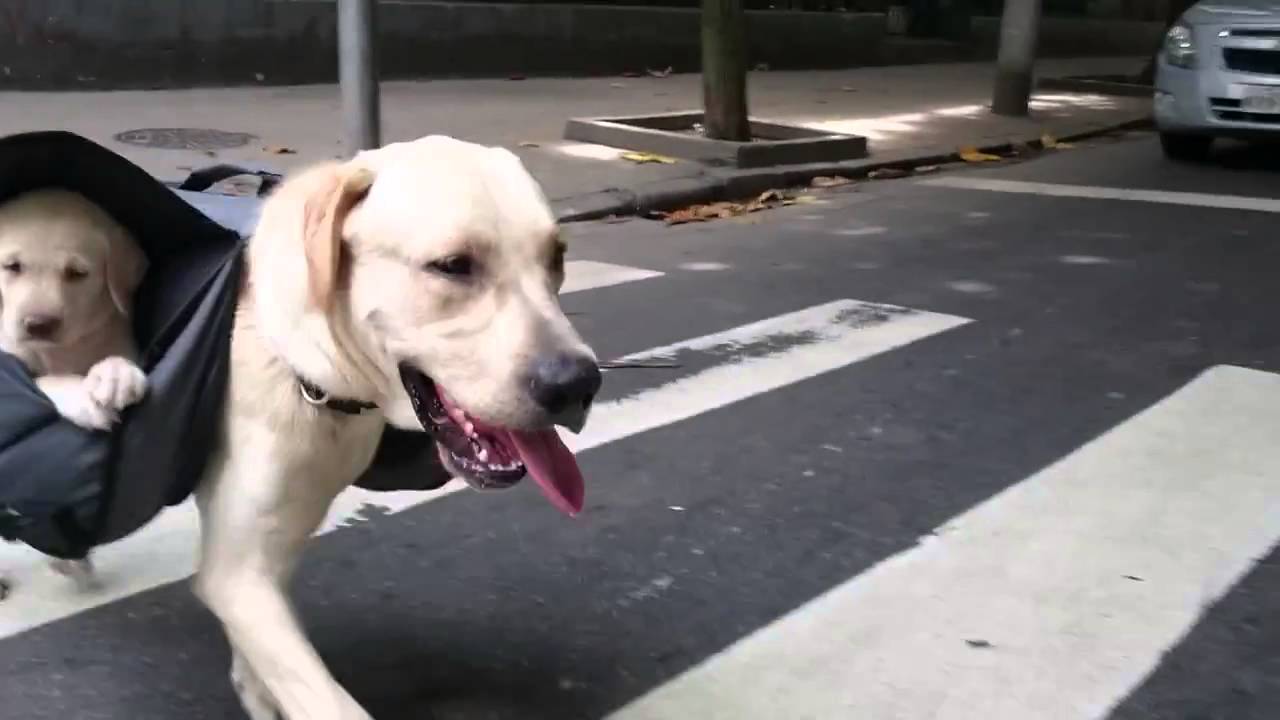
x=724, y=210
x=829, y=181
x=974, y=155
x=924, y=169
x=659, y=73
x=277, y=150
x=641, y=158
x=889, y=173
x=1049, y=142
x=529, y=144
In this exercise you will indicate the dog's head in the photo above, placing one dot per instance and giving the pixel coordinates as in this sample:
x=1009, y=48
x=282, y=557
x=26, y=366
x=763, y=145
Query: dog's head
x=437, y=265
x=66, y=269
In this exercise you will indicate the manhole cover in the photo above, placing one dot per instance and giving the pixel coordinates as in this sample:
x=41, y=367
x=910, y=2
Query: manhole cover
x=185, y=138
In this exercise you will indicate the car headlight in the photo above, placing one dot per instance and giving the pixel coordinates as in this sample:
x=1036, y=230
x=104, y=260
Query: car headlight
x=1180, y=46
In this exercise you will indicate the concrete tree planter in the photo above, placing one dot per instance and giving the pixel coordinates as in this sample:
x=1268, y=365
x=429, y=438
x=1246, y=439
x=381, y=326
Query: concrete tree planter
x=677, y=135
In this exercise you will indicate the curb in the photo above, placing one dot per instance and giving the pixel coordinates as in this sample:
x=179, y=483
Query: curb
x=715, y=185
x=1091, y=85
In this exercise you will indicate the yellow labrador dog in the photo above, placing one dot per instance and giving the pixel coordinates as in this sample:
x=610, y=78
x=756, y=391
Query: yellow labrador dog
x=416, y=284
x=68, y=272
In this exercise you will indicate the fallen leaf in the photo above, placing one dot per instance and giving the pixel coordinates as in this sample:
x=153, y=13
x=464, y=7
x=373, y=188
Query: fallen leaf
x=641, y=158
x=617, y=85
x=659, y=73
x=825, y=181
x=889, y=173
x=279, y=150
x=923, y=169
x=516, y=77
x=801, y=200
x=631, y=74
x=529, y=144
x=1048, y=141
x=979, y=643
x=725, y=210
x=973, y=155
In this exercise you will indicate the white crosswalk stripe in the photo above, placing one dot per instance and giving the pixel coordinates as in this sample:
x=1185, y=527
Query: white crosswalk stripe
x=1072, y=583
x=1163, y=197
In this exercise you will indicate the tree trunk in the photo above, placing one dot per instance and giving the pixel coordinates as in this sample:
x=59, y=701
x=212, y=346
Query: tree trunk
x=1019, y=32
x=724, y=70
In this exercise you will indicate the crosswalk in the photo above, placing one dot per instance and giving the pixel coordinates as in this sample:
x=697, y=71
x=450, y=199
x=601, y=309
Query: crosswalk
x=1052, y=599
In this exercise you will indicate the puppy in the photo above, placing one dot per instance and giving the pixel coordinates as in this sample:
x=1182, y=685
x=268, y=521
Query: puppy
x=68, y=272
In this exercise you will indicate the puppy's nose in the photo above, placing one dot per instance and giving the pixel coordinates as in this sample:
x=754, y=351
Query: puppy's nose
x=41, y=327
x=564, y=385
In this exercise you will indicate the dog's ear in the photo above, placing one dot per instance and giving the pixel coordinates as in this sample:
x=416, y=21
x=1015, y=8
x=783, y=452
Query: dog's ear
x=126, y=265
x=325, y=213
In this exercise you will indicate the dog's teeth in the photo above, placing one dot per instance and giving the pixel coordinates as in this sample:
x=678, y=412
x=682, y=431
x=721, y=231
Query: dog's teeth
x=469, y=428
x=483, y=455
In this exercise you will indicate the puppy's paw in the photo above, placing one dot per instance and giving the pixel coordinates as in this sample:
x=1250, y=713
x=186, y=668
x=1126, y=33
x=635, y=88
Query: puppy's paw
x=74, y=403
x=115, y=383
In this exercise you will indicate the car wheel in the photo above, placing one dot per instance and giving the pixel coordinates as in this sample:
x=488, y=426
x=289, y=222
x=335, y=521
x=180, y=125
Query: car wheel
x=1186, y=148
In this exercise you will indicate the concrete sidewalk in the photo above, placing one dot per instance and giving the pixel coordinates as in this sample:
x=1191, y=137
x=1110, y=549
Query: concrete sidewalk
x=916, y=111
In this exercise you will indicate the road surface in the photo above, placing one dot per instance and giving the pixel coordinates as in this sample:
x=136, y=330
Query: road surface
x=988, y=444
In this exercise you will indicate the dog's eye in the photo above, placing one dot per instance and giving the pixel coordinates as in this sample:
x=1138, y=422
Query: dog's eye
x=455, y=266
x=74, y=274
x=13, y=267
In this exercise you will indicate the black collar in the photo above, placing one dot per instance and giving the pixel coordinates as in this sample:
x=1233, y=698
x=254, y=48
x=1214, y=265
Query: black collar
x=315, y=396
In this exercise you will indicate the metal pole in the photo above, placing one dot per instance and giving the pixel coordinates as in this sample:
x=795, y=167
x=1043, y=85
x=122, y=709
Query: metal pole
x=358, y=74
x=1019, y=32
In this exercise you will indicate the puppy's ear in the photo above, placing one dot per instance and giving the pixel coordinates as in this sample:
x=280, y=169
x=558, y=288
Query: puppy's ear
x=126, y=265
x=325, y=213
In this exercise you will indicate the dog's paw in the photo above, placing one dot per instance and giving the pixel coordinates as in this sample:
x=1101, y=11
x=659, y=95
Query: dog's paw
x=115, y=383
x=79, y=571
x=5, y=587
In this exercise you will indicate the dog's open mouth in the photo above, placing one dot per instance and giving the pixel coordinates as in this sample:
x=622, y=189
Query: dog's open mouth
x=489, y=457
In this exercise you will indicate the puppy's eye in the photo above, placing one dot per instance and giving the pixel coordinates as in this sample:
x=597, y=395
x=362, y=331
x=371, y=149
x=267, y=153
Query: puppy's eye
x=13, y=267
x=458, y=266
x=75, y=274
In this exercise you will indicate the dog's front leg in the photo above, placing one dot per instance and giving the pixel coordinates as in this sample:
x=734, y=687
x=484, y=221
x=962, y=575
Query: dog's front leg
x=253, y=530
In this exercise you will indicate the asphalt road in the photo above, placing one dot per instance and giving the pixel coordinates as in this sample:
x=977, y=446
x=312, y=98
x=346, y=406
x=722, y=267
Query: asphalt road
x=1041, y=485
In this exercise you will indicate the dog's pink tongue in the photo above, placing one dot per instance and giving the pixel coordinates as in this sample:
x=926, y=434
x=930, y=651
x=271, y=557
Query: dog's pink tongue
x=552, y=466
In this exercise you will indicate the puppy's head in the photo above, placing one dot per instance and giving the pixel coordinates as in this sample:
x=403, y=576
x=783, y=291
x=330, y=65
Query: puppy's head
x=66, y=268
x=446, y=260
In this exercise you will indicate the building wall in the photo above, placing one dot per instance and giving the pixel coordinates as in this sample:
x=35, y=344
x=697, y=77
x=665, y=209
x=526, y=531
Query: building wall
x=65, y=44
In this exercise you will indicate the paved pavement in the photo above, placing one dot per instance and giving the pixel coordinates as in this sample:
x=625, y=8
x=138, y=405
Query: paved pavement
x=970, y=450
x=906, y=111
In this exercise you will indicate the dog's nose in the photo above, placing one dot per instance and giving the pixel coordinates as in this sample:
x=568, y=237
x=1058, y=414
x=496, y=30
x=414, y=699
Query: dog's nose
x=564, y=385
x=41, y=327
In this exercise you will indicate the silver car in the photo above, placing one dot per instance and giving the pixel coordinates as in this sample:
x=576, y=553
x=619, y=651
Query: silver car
x=1218, y=75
